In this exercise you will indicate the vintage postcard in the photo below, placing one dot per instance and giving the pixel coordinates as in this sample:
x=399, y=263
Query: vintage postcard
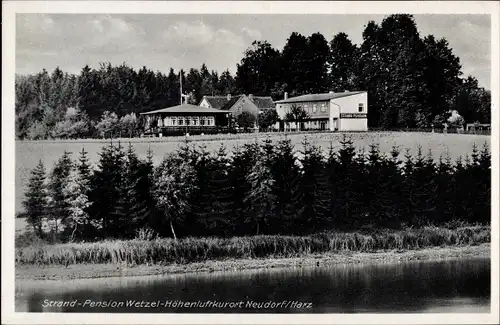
x=250, y=162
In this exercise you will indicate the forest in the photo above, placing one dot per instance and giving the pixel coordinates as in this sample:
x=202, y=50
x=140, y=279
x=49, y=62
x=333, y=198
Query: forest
x=412, y=82
x=260, y=188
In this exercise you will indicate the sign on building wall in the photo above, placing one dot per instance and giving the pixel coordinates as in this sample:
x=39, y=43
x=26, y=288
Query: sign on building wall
x=353, y=115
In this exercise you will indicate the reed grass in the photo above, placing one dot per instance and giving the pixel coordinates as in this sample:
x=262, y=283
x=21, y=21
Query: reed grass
x=168, y=251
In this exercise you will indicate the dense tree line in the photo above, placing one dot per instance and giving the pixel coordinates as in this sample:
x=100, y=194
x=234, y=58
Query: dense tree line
x=411, y=82
x=260, y=188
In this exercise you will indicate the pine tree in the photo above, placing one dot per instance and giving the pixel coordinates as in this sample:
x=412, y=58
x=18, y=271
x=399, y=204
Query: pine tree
x=422, y=195
x=483, y=180
x=106, y=191
x=313, y=189
x=242, y=162
x=408, y=188
x=392, y=188
x=75, y=196
x=332, y=173
x=58, y=207
x=348, y=197
x=35, y=202
x=85, y=177
x=134, y=200
x=260, y=197
x=215, y=209
x=445, y=190
x=285, y=173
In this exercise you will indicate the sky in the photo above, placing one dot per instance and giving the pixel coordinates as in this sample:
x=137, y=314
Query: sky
x=71, y=41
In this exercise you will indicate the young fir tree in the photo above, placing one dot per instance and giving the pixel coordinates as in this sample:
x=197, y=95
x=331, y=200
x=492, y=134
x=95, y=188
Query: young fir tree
x=469, y=193
x=348, y=196
x=445, y=190
x=393, y=186
x=85, y=175
x=313, y=189
x=260, y=197
x=359, y=172
x=478, y=178
x=58, y=207
x=133, y=204
x=407, y=188
x=106, y=191
x=119, y=217
x=75, y=193
x=242, y=162
x=483, y=204
x=459, y=200
x=381, y=179
x=422, y=194
x=332, y=173
x=216, y=214
x=286, y=181
x=35, y=201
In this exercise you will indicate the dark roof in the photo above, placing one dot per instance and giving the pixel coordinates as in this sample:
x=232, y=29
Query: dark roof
x=318, y=97
x=216, y=101
x=221, y=101
x=263, y=102
x=185, y=108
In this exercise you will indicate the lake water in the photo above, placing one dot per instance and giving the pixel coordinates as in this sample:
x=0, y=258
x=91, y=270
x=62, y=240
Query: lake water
x=408, y=287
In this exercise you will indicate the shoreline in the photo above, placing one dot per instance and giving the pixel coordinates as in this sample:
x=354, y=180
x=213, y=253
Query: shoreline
x=92, y=271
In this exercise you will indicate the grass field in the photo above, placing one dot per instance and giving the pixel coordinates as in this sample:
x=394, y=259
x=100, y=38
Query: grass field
x=28, y=276
x=189, y=250
x=28, y=153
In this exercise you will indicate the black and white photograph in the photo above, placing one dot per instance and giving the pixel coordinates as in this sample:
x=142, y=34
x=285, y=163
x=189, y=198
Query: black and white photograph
x=250, y=162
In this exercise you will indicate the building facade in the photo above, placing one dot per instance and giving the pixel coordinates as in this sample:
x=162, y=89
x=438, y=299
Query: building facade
x=185, y=118
x=347, y=111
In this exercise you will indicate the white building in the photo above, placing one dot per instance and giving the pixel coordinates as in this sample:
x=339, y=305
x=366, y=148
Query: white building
x=346, y=111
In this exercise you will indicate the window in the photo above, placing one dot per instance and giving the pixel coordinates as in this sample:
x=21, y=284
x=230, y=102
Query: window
x=314, y=108
x=323, y=108
x=181, y=121
x=306, y=108
x=188, y=121
x=174, y=121
x=202, y=120
x=360, y=107
x=195, y=120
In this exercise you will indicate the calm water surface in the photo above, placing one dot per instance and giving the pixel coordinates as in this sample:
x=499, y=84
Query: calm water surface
x=446, y=286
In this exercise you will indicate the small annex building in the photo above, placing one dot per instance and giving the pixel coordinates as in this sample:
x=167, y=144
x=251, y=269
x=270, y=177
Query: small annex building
x=237, y=104
x=185, y=118
x=345, y=111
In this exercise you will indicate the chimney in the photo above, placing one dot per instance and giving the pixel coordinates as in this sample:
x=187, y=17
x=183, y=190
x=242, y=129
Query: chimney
x=286, y=95
x=228, y=96
x=346, y=91
x=331, y=92
x=250, y=96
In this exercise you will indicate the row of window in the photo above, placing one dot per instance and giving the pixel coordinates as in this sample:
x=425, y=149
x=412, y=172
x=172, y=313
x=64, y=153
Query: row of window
x=322, y=108
x=187, y=121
